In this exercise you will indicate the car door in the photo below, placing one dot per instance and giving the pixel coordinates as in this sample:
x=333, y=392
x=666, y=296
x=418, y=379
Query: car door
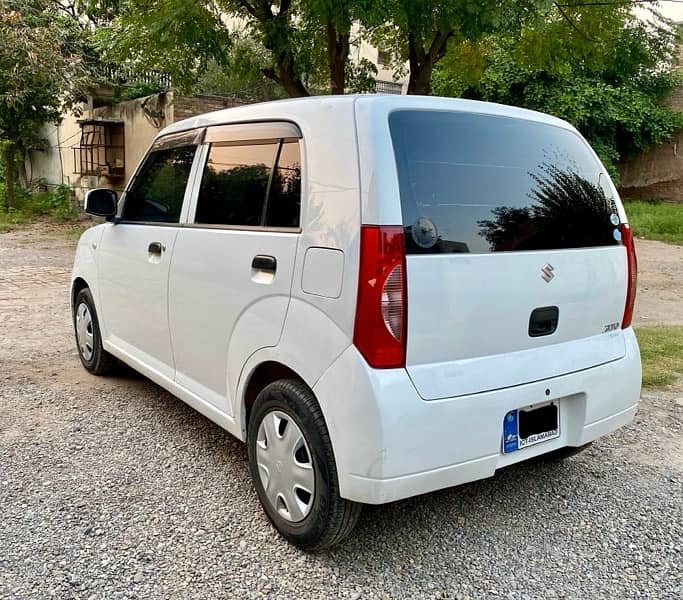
x=232, y=267
x=134, y=255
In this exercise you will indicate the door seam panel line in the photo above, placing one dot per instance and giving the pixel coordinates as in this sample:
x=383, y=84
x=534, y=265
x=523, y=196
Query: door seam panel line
x=168, y=303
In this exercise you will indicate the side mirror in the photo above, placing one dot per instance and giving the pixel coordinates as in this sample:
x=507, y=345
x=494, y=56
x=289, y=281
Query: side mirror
x=101, y=202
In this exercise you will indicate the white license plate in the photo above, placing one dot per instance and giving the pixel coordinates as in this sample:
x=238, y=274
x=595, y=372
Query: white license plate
x=526, y=427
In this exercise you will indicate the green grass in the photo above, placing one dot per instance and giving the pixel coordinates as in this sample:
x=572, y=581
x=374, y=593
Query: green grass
x=654, y=220
x=661, y=350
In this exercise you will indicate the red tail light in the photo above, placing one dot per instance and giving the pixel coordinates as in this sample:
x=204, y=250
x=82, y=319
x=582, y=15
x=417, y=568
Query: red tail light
x=629, y=244
x=381, y=311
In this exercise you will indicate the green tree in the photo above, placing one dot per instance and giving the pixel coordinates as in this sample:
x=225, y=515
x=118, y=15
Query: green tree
x=420, y=31
x=306, y=42
x=240, y=75
x=599, y=66
x=40, y=65
x=277, y=25
x=174, y=36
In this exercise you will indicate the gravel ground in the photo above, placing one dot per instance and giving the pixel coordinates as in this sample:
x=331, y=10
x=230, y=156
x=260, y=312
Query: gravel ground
x=112, y=488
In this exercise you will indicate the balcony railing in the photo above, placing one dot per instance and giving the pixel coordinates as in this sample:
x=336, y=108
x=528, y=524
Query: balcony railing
x=388, y=87
x=123, y=76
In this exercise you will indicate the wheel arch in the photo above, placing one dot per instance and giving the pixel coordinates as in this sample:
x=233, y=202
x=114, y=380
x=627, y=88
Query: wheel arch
x=78, y=284
x=260, y=376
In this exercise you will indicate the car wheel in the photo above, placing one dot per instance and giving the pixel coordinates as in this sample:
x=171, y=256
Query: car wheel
x=293, y=468
x=88, y=338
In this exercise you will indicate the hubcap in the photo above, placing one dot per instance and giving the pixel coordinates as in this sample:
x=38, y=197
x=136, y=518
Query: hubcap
x=285, y=466
x=84, y=334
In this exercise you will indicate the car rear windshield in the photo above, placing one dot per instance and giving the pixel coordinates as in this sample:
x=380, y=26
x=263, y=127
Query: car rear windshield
x=483, y=183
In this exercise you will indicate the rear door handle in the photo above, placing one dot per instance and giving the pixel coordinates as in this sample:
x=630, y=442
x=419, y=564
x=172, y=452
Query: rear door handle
x=155, y=248
x=264, y=262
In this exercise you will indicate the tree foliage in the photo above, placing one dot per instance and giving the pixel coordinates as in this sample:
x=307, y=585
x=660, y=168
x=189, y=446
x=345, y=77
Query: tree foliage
x=420, y=31
x=41, y=66
x=240, y=75
x=173, y=36
x=598, y=66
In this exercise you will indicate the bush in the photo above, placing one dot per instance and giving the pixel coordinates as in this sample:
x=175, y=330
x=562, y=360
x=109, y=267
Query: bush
x=57, y=204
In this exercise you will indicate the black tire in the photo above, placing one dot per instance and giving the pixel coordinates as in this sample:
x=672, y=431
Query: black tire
x=100, y=362
x=563, y=453
x=331, y=518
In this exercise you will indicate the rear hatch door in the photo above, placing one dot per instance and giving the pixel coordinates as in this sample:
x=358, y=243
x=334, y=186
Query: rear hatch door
x=515, y=269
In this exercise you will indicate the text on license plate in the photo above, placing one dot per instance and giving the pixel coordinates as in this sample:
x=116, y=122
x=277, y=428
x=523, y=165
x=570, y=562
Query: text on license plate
x=526, y=427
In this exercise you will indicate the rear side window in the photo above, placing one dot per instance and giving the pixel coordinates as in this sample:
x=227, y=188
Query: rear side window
x=284, y=201
x=252, y=185
x=234, y=184
x=482, y=183
x=157, y=192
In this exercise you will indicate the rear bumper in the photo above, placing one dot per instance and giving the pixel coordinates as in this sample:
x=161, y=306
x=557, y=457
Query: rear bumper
x=390, y=444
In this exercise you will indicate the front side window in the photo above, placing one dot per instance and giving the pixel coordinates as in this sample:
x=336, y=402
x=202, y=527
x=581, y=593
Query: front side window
x=157, y=192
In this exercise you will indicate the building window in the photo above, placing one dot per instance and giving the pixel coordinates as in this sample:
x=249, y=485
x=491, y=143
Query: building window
x=383, y=58
x=102, y=149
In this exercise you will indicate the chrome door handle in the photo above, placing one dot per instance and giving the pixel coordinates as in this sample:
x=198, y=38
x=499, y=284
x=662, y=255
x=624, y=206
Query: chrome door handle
x=264, y=262
x=155, y=248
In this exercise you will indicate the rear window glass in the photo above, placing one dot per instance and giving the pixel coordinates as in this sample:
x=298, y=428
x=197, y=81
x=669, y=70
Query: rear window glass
x=482, y=183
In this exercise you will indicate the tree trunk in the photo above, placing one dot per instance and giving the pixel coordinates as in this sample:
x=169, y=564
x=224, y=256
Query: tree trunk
x=276, y=39
x=285, y=77
x=420, y=81
x=295, y=88
x=10, y=175
x=22, y=174
x=338, y=47
x=422, y=62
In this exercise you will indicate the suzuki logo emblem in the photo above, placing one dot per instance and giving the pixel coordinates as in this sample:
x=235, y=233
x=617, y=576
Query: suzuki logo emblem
x=547, y=272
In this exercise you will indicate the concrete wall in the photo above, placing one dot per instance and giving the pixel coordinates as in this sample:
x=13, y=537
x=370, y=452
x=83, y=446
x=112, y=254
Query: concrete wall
x=142, y=119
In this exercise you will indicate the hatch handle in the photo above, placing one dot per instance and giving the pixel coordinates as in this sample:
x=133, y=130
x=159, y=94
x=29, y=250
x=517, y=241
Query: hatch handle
x=543, y=321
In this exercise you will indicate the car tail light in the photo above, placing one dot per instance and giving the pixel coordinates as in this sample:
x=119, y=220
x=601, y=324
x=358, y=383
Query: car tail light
x=629, y=244
x=381, y=310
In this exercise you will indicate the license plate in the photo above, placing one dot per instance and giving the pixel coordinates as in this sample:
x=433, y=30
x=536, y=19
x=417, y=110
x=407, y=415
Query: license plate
x=526, y=427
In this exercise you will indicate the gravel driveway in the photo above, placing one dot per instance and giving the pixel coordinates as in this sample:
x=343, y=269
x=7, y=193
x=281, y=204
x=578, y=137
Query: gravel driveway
x=112, y=488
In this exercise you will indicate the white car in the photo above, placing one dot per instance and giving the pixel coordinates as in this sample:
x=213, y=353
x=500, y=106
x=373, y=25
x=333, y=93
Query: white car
x=382, y=295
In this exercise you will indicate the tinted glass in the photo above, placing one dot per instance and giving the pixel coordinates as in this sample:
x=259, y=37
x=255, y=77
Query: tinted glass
x=159, y=187
x=234, y=184
x=284, y=202
x=481, y=183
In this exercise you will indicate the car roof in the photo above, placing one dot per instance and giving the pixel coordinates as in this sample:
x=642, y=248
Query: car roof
x=297, y=109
